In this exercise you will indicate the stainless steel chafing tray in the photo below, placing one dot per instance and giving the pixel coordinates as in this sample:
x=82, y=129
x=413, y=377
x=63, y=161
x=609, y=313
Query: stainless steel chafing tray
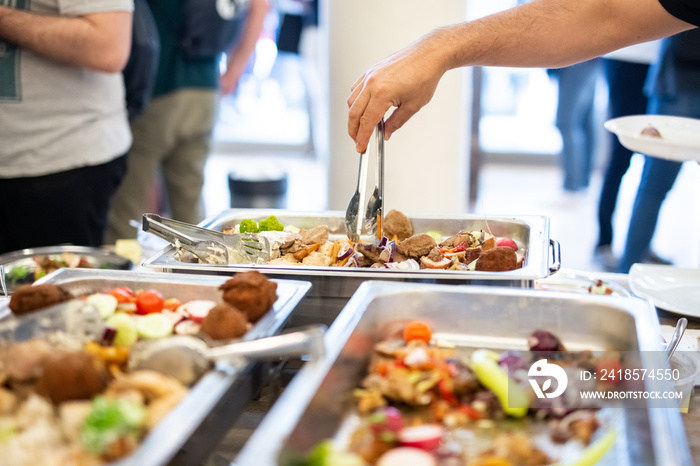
x=333, y=286
x=192, y=429
x=313, y=406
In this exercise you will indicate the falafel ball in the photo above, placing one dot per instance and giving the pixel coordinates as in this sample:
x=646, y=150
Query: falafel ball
x=30, y=298
x=250, y=292
x=224, y=322
x=498, y=259
x=72, y=376
x=397, y=223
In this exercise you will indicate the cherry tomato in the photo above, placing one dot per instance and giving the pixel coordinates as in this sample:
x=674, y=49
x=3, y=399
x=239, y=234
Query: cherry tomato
x=417, y=330
x=123, y=294
x=171, y=304
x=149, y=301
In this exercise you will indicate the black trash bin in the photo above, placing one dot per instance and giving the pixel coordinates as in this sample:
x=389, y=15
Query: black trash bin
x=258, y=190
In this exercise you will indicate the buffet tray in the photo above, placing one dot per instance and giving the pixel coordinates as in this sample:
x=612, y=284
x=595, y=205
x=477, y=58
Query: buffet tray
x=318, y=399
x=333, y=286
x=190, y=432
x=99, y=258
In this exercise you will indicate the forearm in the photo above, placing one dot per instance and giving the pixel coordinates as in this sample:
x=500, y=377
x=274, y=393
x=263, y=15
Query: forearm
x=99, y=41
x=554, y=33
x=238, y=57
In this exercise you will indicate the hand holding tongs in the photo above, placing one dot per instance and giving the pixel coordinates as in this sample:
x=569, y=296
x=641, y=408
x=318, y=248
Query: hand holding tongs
x=373, y=207
x=209, y=246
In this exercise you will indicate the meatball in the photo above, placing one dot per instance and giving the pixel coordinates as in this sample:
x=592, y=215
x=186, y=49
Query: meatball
x=30, y=298
x=396, y=223
x=498, y=259
x=251, y=292
x=416, y=246
x=72, y=376
x=224, y=322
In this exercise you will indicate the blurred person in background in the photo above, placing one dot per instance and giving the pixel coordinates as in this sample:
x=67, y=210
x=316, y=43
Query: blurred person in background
x=673, y=87
x=174, y=133
x=625, y=72
x=576, y=121
x=541, y=33
x=63, y=121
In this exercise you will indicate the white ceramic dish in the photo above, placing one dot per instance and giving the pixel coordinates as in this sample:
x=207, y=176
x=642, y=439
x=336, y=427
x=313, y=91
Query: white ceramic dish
x=670, y=288
x=578, y=282
x=680, y=137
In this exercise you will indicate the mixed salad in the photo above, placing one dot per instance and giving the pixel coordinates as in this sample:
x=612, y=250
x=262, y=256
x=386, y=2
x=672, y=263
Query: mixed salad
x=72, y=398
x=425, y=404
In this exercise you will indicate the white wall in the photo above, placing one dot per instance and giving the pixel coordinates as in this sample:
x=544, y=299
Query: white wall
x=426, y=169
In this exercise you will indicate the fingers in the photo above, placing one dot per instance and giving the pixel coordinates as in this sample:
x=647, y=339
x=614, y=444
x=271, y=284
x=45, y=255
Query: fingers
x=397, y=119
x=358, y=103
x=374, y=111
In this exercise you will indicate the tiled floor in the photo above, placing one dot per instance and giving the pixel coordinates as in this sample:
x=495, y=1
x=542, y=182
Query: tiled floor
x=509, y=190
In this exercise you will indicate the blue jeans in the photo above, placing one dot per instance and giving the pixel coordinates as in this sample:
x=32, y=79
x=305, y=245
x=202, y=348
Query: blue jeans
x=575, y=121
x=657, y=180
x=626, y=97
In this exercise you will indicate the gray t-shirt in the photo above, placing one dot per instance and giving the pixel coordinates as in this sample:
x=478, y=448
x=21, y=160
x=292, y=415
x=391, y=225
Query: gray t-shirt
x=55, y=117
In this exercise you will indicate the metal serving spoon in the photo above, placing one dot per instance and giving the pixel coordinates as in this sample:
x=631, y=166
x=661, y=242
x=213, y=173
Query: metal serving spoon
x=676, y=337
x=187, y=358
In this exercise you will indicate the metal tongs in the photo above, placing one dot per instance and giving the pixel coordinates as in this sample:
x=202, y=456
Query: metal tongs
x=209, y=246
x=373, y=207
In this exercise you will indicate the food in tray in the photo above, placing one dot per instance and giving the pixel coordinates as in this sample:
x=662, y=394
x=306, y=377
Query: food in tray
x=69, y=398
x=425, y=403
x=70, y=402
x=147, y=314
x=41, y=265
x=400, y=249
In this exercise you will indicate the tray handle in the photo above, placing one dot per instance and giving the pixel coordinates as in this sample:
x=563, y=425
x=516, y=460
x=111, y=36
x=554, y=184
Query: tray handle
x=556, y=256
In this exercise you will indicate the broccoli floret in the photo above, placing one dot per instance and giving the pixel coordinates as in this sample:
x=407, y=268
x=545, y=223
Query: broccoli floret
x=271, y=224
x=249, y=226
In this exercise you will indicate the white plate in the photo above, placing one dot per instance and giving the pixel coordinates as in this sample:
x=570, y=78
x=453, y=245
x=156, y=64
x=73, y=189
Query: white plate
x=577, y=282
x=680, y=137
x=670, y=288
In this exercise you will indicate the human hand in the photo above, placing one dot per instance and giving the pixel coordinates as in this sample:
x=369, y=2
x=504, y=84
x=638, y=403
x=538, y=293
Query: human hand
x=228, y=81
x=406, y=80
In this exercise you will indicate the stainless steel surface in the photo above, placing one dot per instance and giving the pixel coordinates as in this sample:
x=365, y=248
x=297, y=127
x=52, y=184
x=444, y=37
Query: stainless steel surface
x=187, y=358
x=317, y=400
x=3, y=285
x=209, y=246
x=353, y=221
x=333, y=286
x=195, y=426
x=98, y=258
x=374, y=213
x=556, y=256
x=676, y=337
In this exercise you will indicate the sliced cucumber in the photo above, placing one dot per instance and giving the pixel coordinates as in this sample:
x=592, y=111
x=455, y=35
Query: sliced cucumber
x=126, y=329
x=105, y=303
x=154, y=326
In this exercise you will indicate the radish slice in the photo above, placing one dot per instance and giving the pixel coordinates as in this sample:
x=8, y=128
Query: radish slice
x=404, y=456
x=174, y=316
x=507, y=242
x=196, y=309
x=187, y=327
x=425, y=437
